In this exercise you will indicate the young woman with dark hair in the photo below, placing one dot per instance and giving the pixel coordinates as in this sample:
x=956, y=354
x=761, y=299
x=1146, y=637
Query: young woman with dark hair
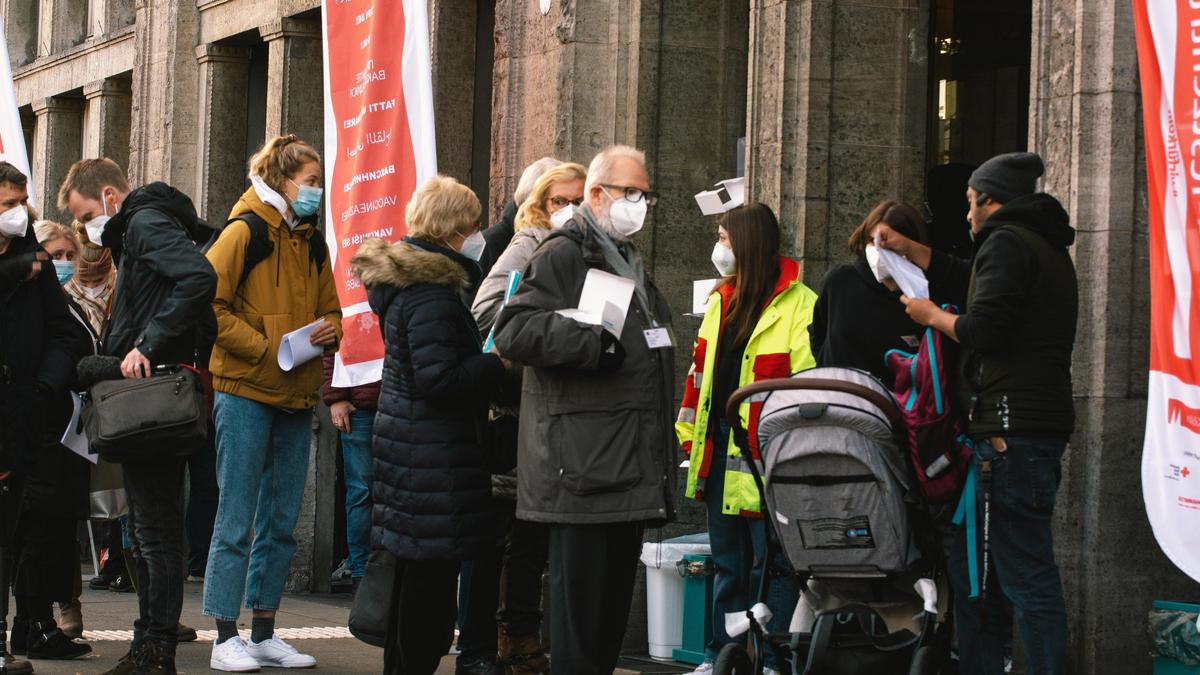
x=858, y=318
x=755, y=328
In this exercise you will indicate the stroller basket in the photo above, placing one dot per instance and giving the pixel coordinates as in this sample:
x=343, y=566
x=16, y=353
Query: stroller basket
x=834, y=479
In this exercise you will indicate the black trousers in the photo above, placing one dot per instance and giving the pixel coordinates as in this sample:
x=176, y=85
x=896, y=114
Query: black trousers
x=203, y=497
x=421, y=624
x=525, y=553
x=46, y=558
x=592, y=572
x=155, y=492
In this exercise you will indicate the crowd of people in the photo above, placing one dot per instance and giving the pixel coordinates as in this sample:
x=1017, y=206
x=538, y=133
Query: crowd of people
x=476, y=470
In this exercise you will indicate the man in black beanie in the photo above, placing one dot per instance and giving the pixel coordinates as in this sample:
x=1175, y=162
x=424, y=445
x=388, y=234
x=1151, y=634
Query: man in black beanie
x=1014, y=384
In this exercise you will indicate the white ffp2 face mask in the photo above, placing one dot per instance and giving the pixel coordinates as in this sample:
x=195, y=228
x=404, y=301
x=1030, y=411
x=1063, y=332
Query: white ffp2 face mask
x=627, y=217
x=95, y=226
x=14, y=222
x=561, y=216
x=878, y=270
x=473, y=246
x=723, y=260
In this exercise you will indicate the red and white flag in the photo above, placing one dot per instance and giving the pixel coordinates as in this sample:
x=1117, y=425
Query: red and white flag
x=12, y=136
x=379, y=146
x=1168, y=42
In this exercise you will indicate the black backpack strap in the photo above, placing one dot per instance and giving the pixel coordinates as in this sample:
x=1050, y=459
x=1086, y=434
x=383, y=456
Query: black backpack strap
x=260, y=246
x=318, y=251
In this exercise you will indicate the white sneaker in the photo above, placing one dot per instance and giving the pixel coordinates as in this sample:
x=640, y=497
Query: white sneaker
x=705, y=668
x=276, y=653
x=231, y=657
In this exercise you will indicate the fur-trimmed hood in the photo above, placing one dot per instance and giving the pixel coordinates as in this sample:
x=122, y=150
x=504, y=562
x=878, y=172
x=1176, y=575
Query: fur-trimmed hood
x=403, y=264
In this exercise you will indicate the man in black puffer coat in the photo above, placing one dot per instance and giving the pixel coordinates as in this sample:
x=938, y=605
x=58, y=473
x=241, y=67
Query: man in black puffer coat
x=162, y=314
x=431, y=484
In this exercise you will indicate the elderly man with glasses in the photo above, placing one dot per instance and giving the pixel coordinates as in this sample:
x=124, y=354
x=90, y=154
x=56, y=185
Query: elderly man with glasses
x=595, y=445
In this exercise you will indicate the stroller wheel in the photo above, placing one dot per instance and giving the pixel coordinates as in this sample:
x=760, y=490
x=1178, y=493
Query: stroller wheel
x=924, y=661
x=732, y=660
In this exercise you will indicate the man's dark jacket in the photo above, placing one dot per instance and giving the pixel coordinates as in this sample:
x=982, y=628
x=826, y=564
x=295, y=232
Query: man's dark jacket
x=165, y=285
x=596, y=444
x=1022, y=301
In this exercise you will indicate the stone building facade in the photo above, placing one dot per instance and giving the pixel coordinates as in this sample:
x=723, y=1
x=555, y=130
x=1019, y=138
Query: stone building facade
x=838, y=103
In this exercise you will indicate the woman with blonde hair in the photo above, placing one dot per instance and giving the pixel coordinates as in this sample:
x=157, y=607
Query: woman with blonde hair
x=431, y=486
x=273, y=277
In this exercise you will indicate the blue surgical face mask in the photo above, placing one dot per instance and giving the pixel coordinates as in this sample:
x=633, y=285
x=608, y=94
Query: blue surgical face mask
x=307, y=201
x=65, y=269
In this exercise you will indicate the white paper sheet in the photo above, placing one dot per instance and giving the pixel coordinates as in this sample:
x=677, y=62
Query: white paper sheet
x=910, y=278
x=73, y=437
x=701, y=289
x=295, y=348
x=604, y=301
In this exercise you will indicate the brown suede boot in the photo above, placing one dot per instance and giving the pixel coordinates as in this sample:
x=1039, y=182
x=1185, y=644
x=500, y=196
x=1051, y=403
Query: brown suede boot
x=521, y=654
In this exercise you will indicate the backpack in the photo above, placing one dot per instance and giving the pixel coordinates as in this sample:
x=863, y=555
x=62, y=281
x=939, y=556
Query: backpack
x=938, y=447
x=260, y=246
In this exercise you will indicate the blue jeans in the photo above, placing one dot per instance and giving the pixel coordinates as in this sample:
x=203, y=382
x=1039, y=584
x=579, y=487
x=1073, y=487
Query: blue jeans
x=262, y=461
x=356, y=460
x=1024, y=482
x=738, y=544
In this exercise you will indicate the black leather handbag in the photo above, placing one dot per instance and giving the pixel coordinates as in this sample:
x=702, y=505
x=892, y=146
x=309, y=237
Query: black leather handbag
x=165, y=415
x=373, y=600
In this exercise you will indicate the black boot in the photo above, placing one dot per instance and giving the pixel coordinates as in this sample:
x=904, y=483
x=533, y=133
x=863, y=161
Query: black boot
x=127, y=665
x=46, y=641
x=156, y=659
x=20, y=634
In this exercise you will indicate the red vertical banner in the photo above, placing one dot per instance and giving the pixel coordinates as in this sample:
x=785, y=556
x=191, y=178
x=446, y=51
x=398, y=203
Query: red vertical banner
x=379, y=146
x=1168, y=43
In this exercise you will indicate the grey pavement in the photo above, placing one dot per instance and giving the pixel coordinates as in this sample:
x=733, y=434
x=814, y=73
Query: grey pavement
x=108, y=611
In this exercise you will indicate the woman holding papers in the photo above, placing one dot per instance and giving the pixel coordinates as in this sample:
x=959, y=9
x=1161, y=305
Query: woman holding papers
x=755, y=328
x=273, y=277
x=432, y=487
x=859, y=316
x=550, y=204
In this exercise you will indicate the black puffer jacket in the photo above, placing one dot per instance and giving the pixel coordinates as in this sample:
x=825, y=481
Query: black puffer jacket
x=40, y=344
x=431, y=486
x=165, y=285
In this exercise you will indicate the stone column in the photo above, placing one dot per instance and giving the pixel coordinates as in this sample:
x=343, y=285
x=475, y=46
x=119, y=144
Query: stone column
x=221, y=157
x=62, y=24
x=165, y=76
x=1085, y=120
x=21, y=29
x=106, y=120
x=56, y=145
x=452, y=26
x=295, y=92
x=108, y=16
x=836, y=118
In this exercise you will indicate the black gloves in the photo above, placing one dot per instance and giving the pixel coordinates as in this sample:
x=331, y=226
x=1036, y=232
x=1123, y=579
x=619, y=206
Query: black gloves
x=612, y=354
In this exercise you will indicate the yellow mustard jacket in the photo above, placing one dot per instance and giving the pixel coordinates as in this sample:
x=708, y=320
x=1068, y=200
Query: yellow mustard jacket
x=282, y=293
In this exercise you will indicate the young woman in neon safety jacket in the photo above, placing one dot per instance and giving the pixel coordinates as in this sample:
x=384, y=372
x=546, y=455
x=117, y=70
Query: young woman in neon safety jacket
x=755, y=328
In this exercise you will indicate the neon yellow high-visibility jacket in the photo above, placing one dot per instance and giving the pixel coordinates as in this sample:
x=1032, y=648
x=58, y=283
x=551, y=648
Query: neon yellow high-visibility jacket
x=778, y=347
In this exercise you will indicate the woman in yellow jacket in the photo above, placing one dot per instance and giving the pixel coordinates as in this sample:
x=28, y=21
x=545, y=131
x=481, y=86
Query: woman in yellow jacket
x=263, y=413
x=755, y=328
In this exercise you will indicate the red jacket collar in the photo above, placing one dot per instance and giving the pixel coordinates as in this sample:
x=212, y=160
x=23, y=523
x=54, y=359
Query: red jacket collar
x=789, y=273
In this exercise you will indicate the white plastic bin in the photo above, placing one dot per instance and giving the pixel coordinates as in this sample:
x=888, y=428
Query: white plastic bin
x=664, y=591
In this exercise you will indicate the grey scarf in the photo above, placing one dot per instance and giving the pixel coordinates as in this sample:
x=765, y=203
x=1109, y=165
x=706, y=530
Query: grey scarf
x=628, y=266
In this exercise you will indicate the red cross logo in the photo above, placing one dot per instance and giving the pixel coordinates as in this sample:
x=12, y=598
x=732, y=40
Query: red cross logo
x=1185, y=472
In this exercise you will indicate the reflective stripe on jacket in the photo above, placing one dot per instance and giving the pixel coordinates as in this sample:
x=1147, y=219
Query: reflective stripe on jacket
x=778, y=347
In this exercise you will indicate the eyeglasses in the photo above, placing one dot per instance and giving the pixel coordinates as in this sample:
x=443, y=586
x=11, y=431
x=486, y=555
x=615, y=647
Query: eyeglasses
x=560, y=202
x=635, y=195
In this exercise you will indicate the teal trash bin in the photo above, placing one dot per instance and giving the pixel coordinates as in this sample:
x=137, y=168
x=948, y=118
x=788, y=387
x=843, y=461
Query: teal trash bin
x=664, y=591
x=697, y=571
x=1173, y=631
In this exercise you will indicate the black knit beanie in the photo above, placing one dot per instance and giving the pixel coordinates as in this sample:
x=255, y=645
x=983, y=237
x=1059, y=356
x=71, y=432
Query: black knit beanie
x=1006, y=177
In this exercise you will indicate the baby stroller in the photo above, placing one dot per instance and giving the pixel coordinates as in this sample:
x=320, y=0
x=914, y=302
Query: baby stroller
x=837, y=488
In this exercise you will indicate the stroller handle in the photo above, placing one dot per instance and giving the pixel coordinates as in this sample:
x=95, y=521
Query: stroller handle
x=886, y=404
